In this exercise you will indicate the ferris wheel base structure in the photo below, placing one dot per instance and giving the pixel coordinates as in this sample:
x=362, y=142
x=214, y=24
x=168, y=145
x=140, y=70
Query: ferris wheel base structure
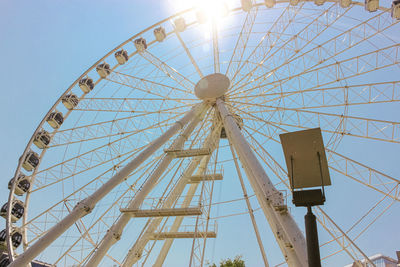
x=289, y=78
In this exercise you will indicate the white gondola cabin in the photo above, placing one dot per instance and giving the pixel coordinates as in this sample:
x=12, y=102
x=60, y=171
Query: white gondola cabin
x=31, y=161
x=371, y=5
x=121, y=56
x=70, y=101
x=246, y=5
x=140, y=44
x=17, y=210
x=22, y=184
x=103, y=70
x=160, y=34
x=180, y=24
x=16, y=239
x=270, y=3
x=396, y=9
x=86, y=85
x=42, y=139
x=4, y=260
x=55, y=119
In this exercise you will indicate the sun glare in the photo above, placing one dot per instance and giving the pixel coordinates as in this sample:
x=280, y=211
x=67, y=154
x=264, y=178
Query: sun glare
x=207, y=11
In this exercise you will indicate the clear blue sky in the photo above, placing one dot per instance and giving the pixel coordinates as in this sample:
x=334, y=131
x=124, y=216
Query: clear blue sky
x=46, y=45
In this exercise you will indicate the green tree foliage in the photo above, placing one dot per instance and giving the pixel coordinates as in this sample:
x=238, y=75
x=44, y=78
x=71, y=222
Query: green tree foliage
x=236, y=262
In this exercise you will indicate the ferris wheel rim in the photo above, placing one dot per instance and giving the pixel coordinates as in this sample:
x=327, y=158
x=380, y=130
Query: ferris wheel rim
x=18, y=170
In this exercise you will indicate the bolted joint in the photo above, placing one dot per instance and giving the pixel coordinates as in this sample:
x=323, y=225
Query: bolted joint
x=84, y=206
x=115, y=234
x=276, y=199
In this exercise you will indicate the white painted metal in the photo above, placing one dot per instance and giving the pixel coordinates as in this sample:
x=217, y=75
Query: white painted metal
x=85, y=206
x=114, y=233
x=249, y=208
x=181, y=153
x=178, y=221
x=163, y=212
x=215, y=46
x=369, y=92
x=266, y=193
x=173, y=235
x=136, y=251
x=200, y=178
x=212, y=86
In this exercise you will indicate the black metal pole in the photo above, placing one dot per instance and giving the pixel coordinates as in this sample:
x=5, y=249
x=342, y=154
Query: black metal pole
x=314, y=259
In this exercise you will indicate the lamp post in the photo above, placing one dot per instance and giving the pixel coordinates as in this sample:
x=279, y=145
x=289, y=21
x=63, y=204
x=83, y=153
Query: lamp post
x=307, y=168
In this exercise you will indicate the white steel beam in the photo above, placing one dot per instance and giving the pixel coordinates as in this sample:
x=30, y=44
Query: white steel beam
x=291, y=239
x=115, y=232
x=178, y=221
x=136, y=251
x=250, y=209
x=215, y=46
x=85, y=206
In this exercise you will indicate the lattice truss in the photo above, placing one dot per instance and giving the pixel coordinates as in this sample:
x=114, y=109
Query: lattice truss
x=291, y=68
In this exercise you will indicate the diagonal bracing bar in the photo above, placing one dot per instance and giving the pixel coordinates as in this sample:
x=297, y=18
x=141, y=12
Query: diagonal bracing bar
x=115, y=232
x=285, y=229
x=178, y=221
x=85, y=206
x=136, y=251
x=249, y=208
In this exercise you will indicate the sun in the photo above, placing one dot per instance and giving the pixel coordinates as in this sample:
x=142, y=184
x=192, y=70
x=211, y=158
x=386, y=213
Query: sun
x=207, y=11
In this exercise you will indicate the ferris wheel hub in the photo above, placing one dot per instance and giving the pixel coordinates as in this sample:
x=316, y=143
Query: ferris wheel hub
x=212, y=86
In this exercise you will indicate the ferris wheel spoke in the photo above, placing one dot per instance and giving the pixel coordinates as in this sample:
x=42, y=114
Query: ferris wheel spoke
x=341, y=124
x=189, y=54
x=294, y=43
x=241, y=44
x=364, y=174
x=45, y=181
x=291, y=66
x=85, y=234
x=249, y=207
x=82, y=207
x=358, y=222
x=215, y=47
x=211, y=142
x=267, y=42
x=36, y=220
x=340, y=70
x=361, y=173
x=125, y=105
x=169, y=71
x=332, y=228
x=105, y=129
x=138, y=247
x=384, y=92
x=146, y=86
x=110, y=238
x=333, y=47
x=176, y=166
x=97, y=149
x=341, y=238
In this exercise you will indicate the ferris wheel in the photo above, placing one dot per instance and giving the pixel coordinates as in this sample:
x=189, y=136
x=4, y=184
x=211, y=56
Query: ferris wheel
x=166, y=152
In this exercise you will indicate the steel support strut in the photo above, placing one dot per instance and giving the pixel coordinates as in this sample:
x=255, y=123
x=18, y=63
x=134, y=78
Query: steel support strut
x=249, y=208
x=115, y=231
x=285, y=229
x=85, y=206
x=135, y=252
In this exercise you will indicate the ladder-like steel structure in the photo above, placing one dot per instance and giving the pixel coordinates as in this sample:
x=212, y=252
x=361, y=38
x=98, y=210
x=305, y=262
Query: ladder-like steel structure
x=288, y=235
